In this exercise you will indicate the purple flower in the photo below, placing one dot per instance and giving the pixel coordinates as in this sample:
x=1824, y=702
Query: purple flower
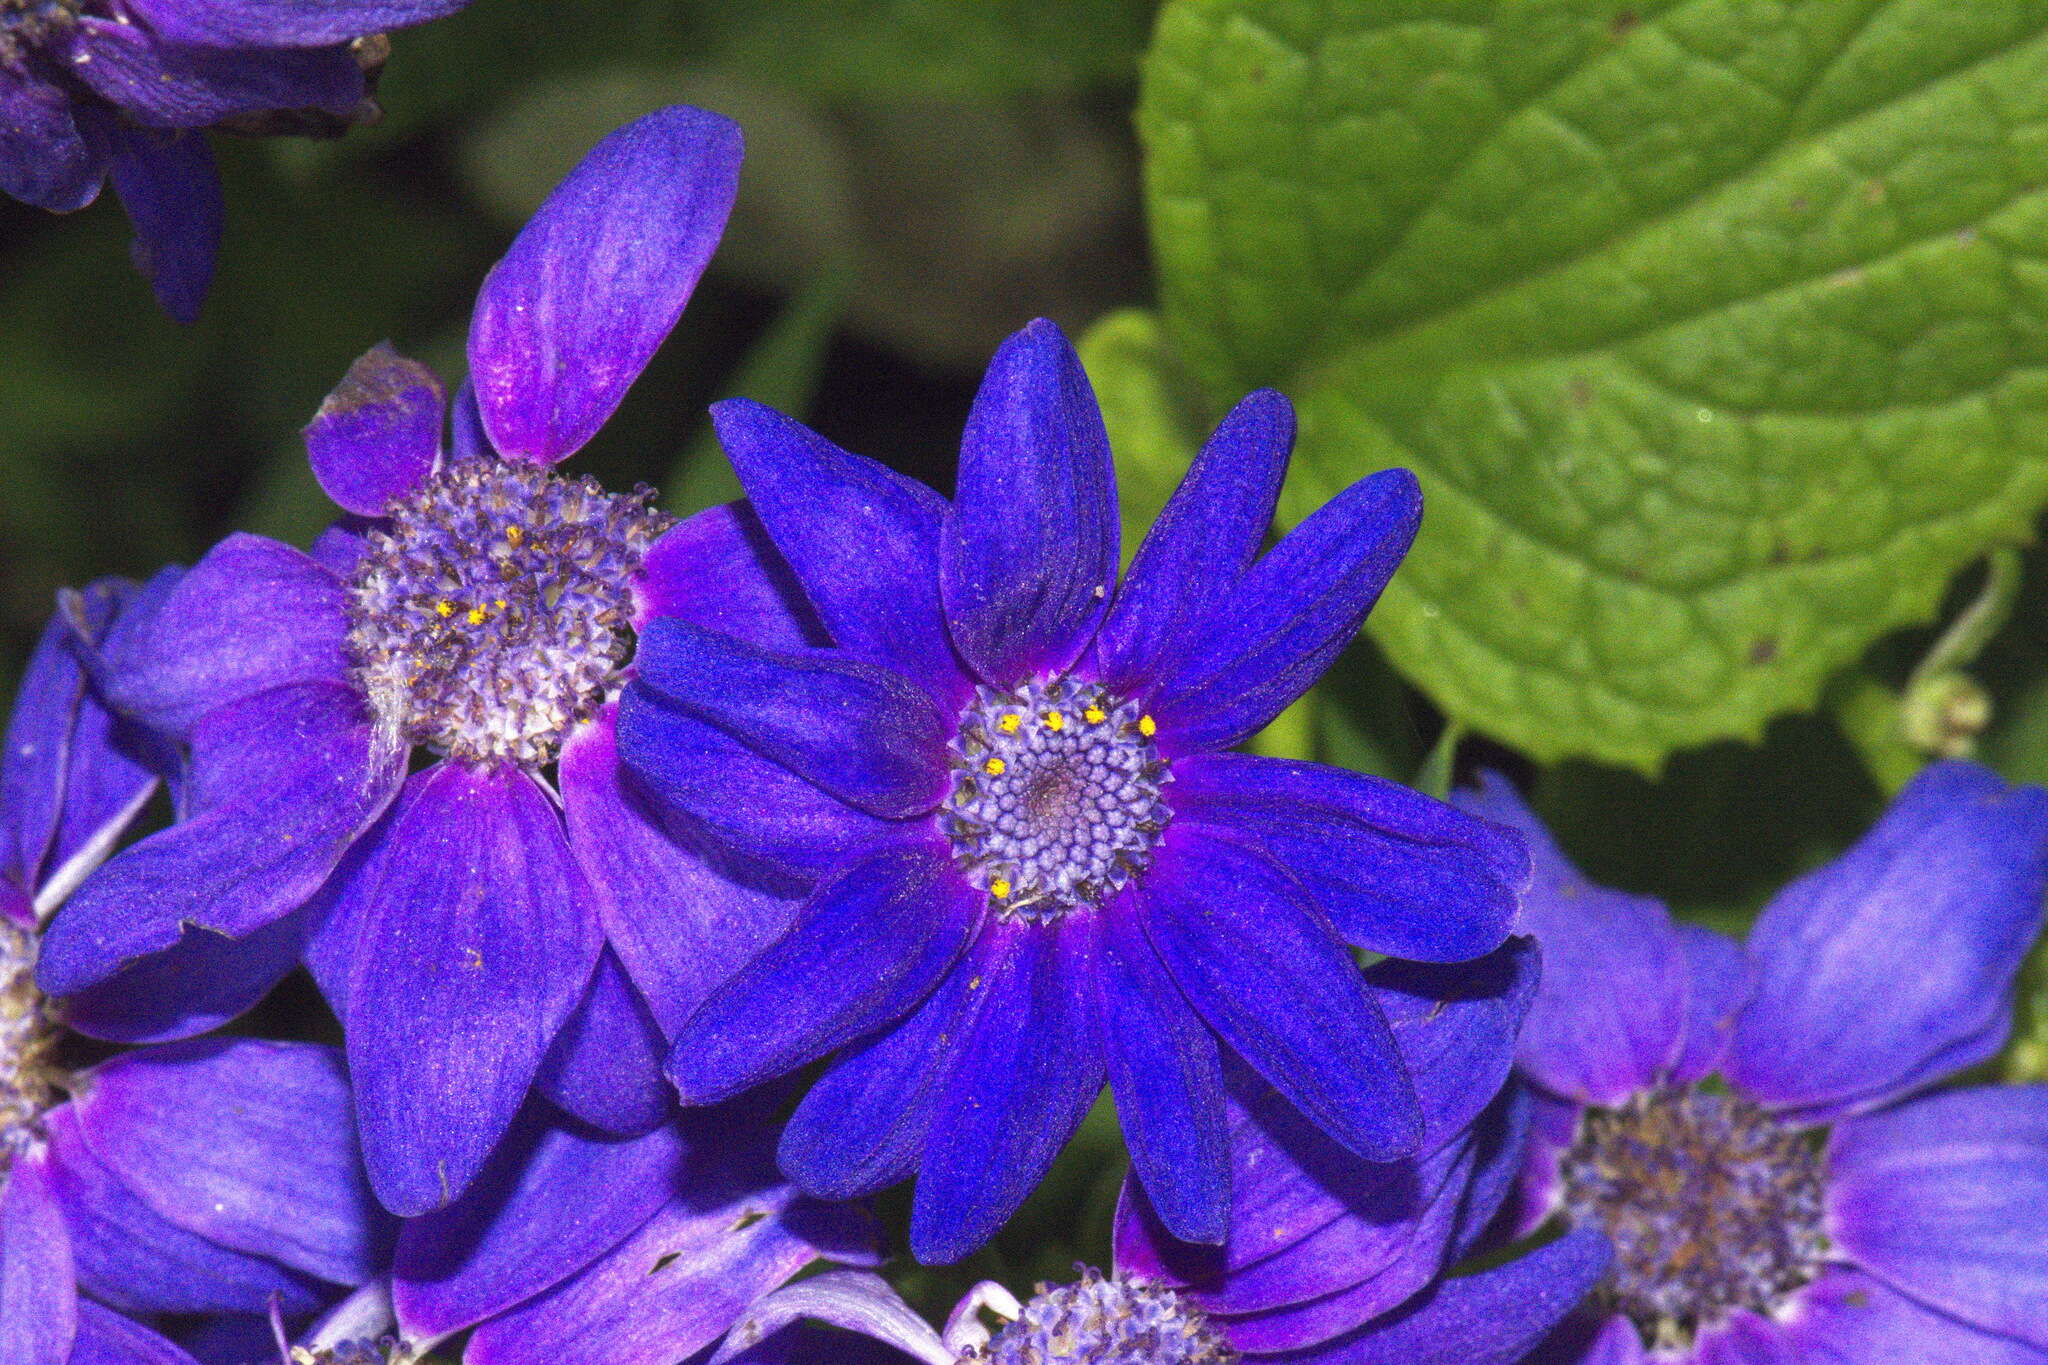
x=475, y=925
x=1808, y=1208
x=90, y=88
x=1327, y=1259
x=1034, y=867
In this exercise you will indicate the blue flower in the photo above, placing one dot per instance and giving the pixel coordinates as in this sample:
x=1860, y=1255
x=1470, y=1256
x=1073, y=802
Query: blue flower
x=90, y=88
x=1034, y=867
x=198, y=1177
x=1805, y=1206
x=508, y=912
x=1328, y=1260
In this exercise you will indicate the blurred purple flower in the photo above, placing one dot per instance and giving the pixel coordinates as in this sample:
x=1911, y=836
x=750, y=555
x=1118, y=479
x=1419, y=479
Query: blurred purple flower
x=1809, y=1208
x=475, y=926
x=1034, y=868
x=1328, y=1260
x=90, y=88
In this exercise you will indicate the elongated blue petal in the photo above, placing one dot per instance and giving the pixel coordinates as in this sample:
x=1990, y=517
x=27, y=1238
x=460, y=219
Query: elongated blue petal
x=181, y=85
x=718, y=569
x=170, y=188
x=38, y=1296
x=476, y=943
x=1718, y=982
x=284, y=23
x=605, y=1065
x=1019, y=1086
x=1267, y=641
x=1848, y=1315
x=863, y=951
x=1205, y=538
x=44, y=159
x=378, y=435
x=1029, y=551
x=567, y=320
x=1931, y=912
x=856, y=1300
x=107, y=1338
x=1456, y=1028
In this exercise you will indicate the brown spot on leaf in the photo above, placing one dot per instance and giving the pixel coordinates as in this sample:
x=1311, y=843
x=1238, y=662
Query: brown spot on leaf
x=1763, y=650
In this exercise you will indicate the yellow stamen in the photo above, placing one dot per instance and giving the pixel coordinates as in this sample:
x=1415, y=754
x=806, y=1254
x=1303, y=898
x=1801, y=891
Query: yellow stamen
x=515, y=534
x=1008, y=724
x=1055, y=722
x=444, y=609
x=476, y=616
x=1095, y=715
x=994, y=767
x=1000, y=889
x=1147, y=726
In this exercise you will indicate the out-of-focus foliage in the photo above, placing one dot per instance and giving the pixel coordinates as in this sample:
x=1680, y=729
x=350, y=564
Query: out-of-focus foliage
x=1715, y=330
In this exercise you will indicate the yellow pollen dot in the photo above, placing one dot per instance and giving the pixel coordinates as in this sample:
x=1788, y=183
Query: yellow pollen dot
x=515, y=534
x=1055, y=721
x=1008, y=724
x=999, y=888
x=476, y=616
x=444, y=609
x=994, y=767
x=499, y=603
x=1095, y=715
x=1147, y=726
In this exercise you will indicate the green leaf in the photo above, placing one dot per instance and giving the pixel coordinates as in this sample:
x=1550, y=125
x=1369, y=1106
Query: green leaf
x=1715, y=331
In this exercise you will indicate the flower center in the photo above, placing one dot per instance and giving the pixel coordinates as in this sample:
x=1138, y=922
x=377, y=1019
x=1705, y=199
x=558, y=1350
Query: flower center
x=492, y=612
x=1099, y=1321
x=1056, y=796
x=1712, y=1205
x=28, y=1037
x=25, y=24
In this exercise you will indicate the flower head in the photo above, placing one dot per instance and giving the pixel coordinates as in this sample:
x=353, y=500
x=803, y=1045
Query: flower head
x=1034, y=869
x=90, y=88
x=1741, y=1121
x=508, y=914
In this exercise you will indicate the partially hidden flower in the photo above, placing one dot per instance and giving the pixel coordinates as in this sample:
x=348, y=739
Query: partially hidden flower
x=1746, y=1121
x=198, y=1177
x=127, y=88
x=508, y=912
x=1328, y=1260
x=1035, y=868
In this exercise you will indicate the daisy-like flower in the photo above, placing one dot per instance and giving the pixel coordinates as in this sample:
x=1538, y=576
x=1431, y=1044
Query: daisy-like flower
x=198, y=1177
x=90, y=88
x=1746, y=1122
x=1035, y=866
x=1328, y=1260
x=508, y=911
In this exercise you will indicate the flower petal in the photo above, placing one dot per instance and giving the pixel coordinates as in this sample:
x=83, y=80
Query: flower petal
x=252, y=616
x=378, y=435
x=605, y=1065
x=170, y=188
x=1609, y=1016
x=476, y=943
x=1204, y=540
x=724, y=792
x=180, y=85
x=863, y=539
x=1272, y=636
x=551, y=1200
x=199, y=983
x=284, y=23
x=861, y=953
x=663, y=1294
x=132, y=1259
x=1020, y=1082
x=1456, y=1028
x=1744, y=1339
x=1718, y=983
x=1396, y=872
x=567, y=320
x=719, y=570
x=1492, y=1318
x=246, y=1143
x=1931, y=912
x=44, y=159
x=863, y=733
x=680, y=928
x=281, y=785
x=856, y=1300
x=862, y=1125
x=1857, y=1319
x=1259, y=962
x=38, y=1296
x=107, y=1338
x=1167, y=1077
x=1029, y=550
x=1946, y=1199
